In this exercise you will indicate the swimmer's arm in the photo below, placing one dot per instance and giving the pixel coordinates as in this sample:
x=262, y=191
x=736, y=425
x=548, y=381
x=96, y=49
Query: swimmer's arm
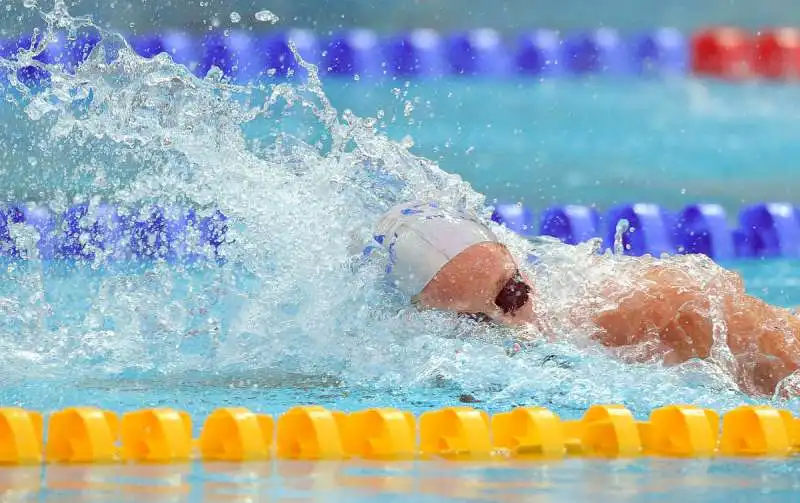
x=667, y=316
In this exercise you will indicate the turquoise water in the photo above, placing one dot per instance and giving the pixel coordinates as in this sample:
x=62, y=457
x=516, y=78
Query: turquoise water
x=601, y=142
x=571, y=480
x=293, y=318
x=594, y=142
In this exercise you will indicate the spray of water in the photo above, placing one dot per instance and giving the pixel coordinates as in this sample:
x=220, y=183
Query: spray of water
x=302, y=185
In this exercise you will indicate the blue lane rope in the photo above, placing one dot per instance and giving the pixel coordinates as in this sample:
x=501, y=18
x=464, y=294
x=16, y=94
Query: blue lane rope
x=107, y=232
x=764, y=230
x=246, y=56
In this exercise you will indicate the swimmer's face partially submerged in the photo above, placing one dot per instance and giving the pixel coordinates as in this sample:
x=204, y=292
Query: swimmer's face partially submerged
x=450, y=261
x=483, y=279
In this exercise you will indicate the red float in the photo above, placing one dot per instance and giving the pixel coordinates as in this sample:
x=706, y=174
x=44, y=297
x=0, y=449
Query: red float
x=722, y=52
x=777, y=54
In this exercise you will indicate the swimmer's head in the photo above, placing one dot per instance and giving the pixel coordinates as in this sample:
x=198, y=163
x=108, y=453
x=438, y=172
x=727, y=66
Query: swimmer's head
x=448, y=261
x=484, y=281
x=421, y=238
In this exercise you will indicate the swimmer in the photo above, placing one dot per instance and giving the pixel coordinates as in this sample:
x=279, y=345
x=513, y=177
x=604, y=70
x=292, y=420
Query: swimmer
x=450, y=262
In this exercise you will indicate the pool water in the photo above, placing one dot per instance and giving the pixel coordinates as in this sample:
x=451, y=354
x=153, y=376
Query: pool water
x=575, y=479
x=294, y=317
x=599, y=142
x=567, y=141
x=189, y=370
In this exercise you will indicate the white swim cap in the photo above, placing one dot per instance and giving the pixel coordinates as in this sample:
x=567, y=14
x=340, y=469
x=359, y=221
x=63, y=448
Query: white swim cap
x=421, y=238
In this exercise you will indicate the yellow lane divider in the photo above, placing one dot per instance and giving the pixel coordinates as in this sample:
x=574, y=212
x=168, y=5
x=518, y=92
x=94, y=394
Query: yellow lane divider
x=163, y=435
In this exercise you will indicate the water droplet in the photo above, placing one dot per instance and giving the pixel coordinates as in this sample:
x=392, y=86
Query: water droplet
x=266, y=16
x=235, y=17
x=29, y=4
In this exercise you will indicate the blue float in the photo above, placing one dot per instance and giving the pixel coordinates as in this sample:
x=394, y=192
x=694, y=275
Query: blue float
x=598, y=51
x=159, y=233
x=85, y=232
x=77, y=239
x=662, y=51
x=67, y=53
x=278, y=57
x=235, y=53
x=8, y=48
x=181, y=47
x=147, y=46
x=279, y=61
x=44, y=222
x=354, y=53
x=152, y=235
x=77, y=50
x=742, y=245
x=771, y=230
x=215, y=52
x=32, y=77
x=703, y=228
x=213, y=232
x=539, y=53
x=416, y=53
x=478, y=52
x=88, y=231
x=515, y=217
x=650, y=230
x=571, y=224
x=9, y=216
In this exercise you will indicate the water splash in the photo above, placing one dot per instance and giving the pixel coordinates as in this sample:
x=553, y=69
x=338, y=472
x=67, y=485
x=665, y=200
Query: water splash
x=293, y=296
x=266, y=16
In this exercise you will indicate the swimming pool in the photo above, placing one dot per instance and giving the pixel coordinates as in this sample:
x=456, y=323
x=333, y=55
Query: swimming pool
x=648, y=480
x=289, y=319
